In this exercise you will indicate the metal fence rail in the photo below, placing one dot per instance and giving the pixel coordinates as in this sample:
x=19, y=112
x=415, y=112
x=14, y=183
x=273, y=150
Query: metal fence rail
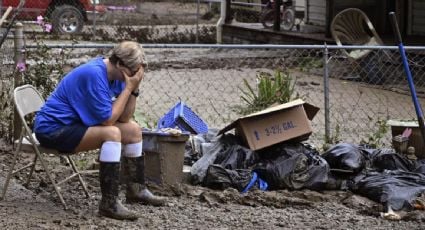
x=356, y=97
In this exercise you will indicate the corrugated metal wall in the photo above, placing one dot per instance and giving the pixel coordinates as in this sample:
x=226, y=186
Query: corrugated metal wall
x=316, y=12
x=417, y=14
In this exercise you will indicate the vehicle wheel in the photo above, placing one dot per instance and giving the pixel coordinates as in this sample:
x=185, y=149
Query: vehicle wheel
x=288, y=19
x=67, y=19
x=267, y=18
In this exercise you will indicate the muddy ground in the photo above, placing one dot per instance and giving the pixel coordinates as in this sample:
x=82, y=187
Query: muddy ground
x=195, y=207
x=189, y=207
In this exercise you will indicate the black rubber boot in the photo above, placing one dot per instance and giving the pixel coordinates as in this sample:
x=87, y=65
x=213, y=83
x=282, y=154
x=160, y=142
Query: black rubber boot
x=110, y=205
x=136, y=189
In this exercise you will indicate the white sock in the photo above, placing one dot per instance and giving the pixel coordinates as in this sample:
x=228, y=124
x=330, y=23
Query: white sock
x=110, y=151
x=133, y=150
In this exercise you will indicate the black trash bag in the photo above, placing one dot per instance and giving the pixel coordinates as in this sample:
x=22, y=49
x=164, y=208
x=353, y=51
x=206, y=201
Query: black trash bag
x=388, y=159
x=420, y=166
x=236, y=157
x=295, y=168
x=218, y=177
x=392, y=188
x=286, y=149
x=224, y=145
x=319, y=173
x=345, y=157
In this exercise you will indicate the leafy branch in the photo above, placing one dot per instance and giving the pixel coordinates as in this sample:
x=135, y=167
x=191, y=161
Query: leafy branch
x=276, y=89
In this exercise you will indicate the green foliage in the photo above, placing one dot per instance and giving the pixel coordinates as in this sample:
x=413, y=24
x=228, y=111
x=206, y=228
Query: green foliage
x=308, y=63
x=375, y=139
x=333, y=139
x=45, y=70
x=271, y=90
x=144, y=121
x=82, y=164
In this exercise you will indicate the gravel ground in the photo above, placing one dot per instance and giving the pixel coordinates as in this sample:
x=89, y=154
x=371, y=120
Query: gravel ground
x=189, y=207
x=195, y=207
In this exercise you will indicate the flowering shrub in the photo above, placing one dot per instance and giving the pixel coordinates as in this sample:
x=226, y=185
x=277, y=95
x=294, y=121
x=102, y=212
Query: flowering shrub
x=21, y=66
x=44, y=70
x=47, y=27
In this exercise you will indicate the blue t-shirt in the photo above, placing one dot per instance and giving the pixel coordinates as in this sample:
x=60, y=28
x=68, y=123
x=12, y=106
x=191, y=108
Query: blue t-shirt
x=83, y=96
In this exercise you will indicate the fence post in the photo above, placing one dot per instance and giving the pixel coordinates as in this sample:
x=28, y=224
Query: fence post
x=326, y=92
x=18, y=42
x=197, y=22
x=94, y=18
x=224, y=9
x=276, y=23
x=18, y=58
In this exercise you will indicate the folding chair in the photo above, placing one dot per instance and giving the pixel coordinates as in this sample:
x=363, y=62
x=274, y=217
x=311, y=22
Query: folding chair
x=28, y=101
x=352, y=27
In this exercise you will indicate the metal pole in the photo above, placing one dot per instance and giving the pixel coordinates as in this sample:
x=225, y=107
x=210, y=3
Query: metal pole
x=94, y=17
x=18, y=57
x=197, y=23
x=277, y=6
x=223, y=15
x=326, y=92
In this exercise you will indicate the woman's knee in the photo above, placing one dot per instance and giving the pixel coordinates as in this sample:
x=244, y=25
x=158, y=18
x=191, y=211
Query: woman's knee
x=136, y=130
x=133, y=132
x=111, y=133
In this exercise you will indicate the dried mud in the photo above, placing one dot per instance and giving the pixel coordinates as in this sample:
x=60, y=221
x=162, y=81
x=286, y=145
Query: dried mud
x=189, y=207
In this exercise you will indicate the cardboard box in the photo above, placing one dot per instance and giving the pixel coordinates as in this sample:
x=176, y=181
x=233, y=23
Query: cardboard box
x=415, y=139
x=289, y=121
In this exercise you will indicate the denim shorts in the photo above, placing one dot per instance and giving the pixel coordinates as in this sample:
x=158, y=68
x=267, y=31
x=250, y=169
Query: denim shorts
x=65, y=139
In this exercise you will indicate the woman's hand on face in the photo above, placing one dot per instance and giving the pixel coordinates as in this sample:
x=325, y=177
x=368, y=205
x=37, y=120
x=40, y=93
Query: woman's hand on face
x=140, y=74
x=131, y=82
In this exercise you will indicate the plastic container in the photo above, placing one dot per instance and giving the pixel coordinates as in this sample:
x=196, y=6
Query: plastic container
x=400, y=144
x=184, y=118
x=164, y=157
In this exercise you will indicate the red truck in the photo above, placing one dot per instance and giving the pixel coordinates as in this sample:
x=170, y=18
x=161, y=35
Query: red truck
x=66, y=16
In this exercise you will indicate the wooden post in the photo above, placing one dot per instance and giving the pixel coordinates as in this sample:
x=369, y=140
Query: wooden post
x=276, y=24
x=18, y=58
x=229, y=11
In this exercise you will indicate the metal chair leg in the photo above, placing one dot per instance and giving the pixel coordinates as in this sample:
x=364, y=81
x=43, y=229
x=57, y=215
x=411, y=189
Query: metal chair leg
x=31, y=171
x=79, y=176
x=51, y=179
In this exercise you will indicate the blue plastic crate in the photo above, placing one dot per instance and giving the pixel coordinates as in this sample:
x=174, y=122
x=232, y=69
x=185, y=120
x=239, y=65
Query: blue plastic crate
x=183, y=117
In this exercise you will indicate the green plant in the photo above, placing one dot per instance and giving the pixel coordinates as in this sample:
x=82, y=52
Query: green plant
x=308, y=63
x=143, y=120
x=374, y=140
x=46, y=68
x=333, y=139
x=271, y=90
x=82, y=164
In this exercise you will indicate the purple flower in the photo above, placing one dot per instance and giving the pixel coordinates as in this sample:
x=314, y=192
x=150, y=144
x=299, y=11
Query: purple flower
x=40, y=20
x=21, y=66
x=47, y=27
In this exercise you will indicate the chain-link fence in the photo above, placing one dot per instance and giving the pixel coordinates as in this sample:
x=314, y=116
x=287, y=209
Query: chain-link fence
x=145, y=21
x=7, y=73
x=356, y=97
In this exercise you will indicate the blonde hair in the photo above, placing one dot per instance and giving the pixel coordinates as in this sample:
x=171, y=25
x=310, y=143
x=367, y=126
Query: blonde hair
x=130, y=54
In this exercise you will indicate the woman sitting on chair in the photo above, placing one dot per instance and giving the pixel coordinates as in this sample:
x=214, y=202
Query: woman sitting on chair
x=91, y=108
